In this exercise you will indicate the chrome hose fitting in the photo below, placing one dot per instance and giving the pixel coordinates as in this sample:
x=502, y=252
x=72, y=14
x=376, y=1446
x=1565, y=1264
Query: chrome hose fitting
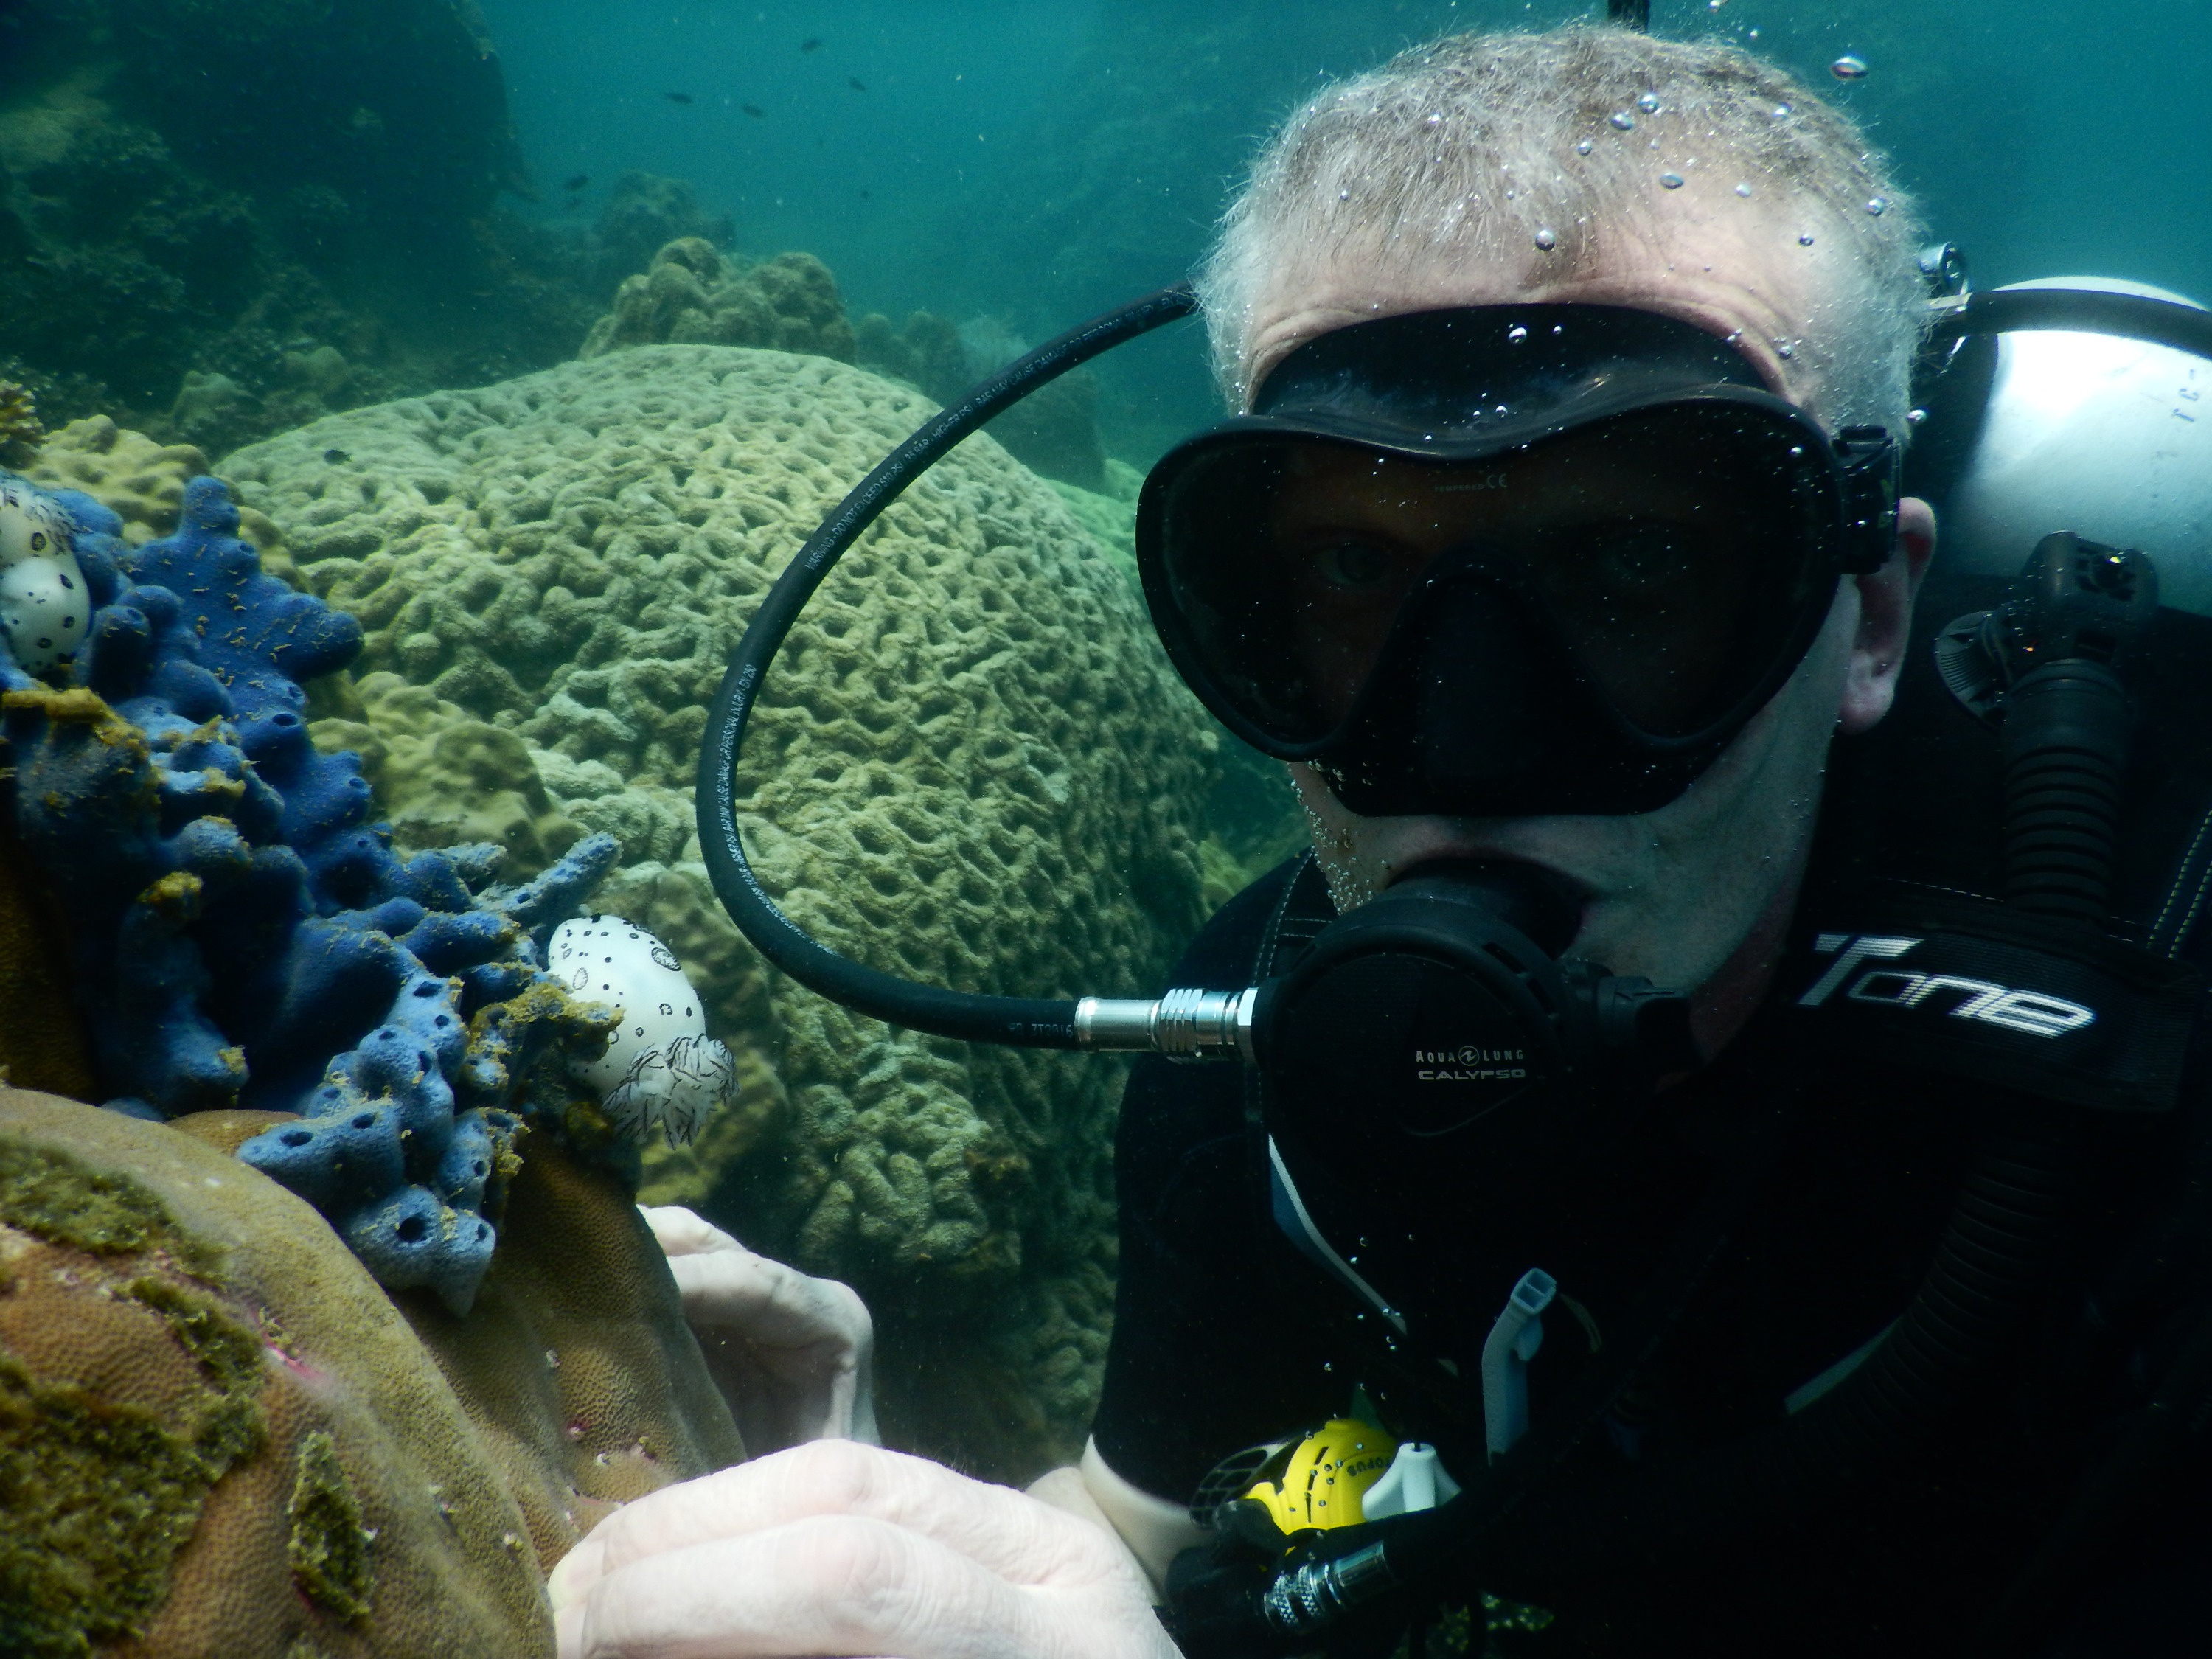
x=1302, y=1602
x=1184, y=1024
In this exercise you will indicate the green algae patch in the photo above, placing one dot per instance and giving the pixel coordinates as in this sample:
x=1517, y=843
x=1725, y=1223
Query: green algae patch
x=101, y=1492
x=52, y=1196
x=329, y=1545
x=100, y=1497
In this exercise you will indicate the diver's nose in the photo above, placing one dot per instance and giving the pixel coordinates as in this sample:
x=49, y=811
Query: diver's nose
x=1482, y=721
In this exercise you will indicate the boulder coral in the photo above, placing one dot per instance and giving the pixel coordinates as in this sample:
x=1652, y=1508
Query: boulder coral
x=221, y=1439
x=972, y=765
x=692, y=292
x=694, y=295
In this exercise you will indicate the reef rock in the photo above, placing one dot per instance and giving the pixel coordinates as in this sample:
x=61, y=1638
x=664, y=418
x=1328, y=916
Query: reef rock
x=220, y=1439
x=972, y=765
x=21, y=432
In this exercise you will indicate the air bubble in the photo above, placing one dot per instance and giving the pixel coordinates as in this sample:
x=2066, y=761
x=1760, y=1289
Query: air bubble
x=1850, y=67
x=1546, y=239
x=1623, y=119
x=1515, y=334
x=1649, y=103
x=1877, y=205
x=1670, y=181
x=1743, y=190
x=1804, y=238
x=1781, y=112
x=1582, y=147
x=1783, y=349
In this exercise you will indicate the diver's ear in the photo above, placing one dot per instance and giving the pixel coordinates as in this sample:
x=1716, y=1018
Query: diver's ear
x=1885, y=619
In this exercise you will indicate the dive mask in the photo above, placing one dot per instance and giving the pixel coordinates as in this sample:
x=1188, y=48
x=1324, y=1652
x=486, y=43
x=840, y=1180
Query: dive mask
x=1505, y=561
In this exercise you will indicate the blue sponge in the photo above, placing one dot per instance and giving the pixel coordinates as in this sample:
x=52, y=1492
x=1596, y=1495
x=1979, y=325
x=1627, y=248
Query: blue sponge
x=244, y=935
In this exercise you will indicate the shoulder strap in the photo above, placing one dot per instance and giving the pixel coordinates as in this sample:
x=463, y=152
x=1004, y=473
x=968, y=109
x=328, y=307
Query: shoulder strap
x=1963, y=985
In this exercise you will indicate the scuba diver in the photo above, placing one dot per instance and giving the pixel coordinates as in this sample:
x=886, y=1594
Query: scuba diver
x=1672, y=1154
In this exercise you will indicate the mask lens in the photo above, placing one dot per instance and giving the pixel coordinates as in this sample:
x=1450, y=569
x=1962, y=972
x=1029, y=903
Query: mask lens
x=1668, y=554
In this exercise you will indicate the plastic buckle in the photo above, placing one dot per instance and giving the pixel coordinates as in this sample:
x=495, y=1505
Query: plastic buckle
x=1872, y=464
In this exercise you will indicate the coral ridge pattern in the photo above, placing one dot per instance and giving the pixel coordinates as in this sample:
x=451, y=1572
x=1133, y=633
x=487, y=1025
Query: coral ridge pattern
x=971, y=765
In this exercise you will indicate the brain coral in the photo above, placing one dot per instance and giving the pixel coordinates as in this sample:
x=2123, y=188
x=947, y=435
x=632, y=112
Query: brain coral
x=972, y=765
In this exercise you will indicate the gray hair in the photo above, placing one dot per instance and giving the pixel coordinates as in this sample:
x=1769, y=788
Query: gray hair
x=1546, y=150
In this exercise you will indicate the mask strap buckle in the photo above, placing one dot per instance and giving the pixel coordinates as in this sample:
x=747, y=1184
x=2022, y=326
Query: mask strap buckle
x=1872, y=464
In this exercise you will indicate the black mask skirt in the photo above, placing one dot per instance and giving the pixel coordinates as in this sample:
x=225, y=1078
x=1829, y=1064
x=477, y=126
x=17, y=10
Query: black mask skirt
x=1509, y=560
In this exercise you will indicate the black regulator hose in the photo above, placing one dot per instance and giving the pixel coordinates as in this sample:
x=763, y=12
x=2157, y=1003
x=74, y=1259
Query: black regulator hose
x=1022, y=1022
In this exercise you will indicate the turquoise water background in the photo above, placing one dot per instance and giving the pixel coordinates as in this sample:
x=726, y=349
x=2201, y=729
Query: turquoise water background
x=1037, y=161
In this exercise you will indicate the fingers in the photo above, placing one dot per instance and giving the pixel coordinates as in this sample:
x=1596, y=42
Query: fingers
x=679, y=1231
x=770, y=1303
x=1010, y=1536
x=847, y=1585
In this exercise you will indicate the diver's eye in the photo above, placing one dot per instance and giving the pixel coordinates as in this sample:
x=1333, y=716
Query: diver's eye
x=1357, y=566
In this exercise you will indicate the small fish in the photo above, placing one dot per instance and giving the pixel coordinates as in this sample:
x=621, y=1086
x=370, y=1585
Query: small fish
x=810, y=45
x=853, y=82
x=336, y=457
x=677, y=97
x=754, y=110
x=1848, y=67
x=578, y=182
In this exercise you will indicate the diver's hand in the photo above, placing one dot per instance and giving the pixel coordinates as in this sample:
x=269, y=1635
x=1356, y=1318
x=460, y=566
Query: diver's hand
x=790, y=1354
x=835, y=1548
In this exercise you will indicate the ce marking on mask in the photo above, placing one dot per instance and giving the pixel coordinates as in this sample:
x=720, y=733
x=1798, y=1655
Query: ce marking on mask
x=2030, y=1011
x=1470, y=1064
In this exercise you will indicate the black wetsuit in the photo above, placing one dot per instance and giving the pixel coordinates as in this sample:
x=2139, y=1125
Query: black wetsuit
x=1225, y=1336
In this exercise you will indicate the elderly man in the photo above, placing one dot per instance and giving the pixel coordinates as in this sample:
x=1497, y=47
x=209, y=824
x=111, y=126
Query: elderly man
x=1605, y=647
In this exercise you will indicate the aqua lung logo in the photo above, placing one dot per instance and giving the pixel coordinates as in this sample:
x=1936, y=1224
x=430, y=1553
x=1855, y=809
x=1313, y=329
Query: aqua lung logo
x=1980, y=999
x=1470, y=1064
